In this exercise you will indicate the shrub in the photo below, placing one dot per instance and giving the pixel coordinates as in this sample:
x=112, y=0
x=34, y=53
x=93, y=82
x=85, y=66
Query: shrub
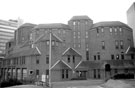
x=10, y=82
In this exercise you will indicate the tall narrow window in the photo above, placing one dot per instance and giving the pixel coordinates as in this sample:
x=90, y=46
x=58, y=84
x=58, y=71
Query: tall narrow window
x=37, y=61
x=94, y=70
x=47, y=59
x=121, y=44
x=97, y=30
x=102, y=30
x=53, y=42
x=132, y=56
x=68, y=58
x=103, y=45
x=117, y=57
x=116, y=44
x=78, y=34
x=115, y=30
x=98, y=57
x=47, y=71
x=112, y=57
x=87, y=55
x=110, y=30
x=47, y=42
x=99, y=73
x=37, y=72
x=122, y=56
x=94, y=57
x=73, y=58
x=30, y=36
x=67, y=73
x=86, y=34
x=120, y=29
x=63, y=73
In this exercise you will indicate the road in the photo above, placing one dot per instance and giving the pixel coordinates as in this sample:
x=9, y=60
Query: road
x=88, y=84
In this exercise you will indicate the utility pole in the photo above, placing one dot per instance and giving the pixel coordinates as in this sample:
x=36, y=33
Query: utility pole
x=50, y=54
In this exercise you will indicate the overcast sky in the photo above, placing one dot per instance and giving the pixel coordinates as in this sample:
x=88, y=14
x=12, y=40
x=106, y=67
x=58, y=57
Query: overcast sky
x=60, y=11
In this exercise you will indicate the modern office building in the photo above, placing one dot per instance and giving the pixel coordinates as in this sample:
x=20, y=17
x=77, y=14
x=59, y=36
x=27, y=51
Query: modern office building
x=7, y=29
x=131, y=18
x=80, y=49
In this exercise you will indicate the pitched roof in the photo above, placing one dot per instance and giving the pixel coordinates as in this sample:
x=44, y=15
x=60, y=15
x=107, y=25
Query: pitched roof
x=110, y=23
x=130, y=50
x=62, y=63
x=71, y=51
x=32, y=51
x=52, y=26
x=81, y=17
x=27, y=25
x=47, y=37
x=101, y=64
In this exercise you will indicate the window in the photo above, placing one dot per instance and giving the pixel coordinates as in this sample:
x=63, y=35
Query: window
x=47, y=71
x=73, y=58
x=120, y=29
x=53, y=43
x=78, y=34
x=116, y=44
x=63, y=73
x=87, y=55
x=37, y=72
x=86, y=34
x=68, y=58
x=98, y=57
x=122, y=56
x=94, y=70
x=30, y=36
x=115, y=30
x=121, y=44
x=97, y=30
x=47, y=42
x=37, y=61
x=132, y=56
x=117, y=57
x=47, y=59
x=103, y=45
x=102, y=30
x=112, y=57
x=94, y=57
x=110, y=30
x=99, y=73
x=66, y=73
x=73, y=23
x=23, y=59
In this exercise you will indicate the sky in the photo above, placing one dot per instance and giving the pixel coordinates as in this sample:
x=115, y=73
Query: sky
x=61, y=11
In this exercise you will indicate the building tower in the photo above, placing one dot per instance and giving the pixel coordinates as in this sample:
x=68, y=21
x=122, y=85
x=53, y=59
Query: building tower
x=80, y=26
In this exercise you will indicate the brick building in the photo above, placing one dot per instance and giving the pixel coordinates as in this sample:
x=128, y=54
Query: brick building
x=80, y=49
